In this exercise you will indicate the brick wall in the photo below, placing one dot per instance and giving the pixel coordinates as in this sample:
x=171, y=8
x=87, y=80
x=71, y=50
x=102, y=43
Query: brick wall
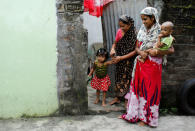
x=181, y=65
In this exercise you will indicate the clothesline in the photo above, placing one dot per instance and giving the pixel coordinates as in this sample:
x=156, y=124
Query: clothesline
x=95, y=7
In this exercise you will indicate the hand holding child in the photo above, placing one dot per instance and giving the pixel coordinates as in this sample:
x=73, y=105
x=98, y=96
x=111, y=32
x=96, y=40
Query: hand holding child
x=116, y=59
x=152, y=52
x=112, y=52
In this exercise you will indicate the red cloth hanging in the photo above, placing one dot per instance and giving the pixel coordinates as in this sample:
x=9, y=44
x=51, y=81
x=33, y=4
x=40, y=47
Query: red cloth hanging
x=95, y=7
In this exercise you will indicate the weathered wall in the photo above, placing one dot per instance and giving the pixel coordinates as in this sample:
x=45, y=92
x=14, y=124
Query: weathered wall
x=181, y=65
x=72, y=57
x=28, y=58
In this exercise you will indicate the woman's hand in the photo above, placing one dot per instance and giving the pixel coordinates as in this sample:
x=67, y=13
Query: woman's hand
x=171, y=50
x=112, y=52
x=143, y=54
x=152, y=52
x=116, y=59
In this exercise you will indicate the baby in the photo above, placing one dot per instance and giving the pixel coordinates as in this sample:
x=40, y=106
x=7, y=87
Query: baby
x=165, y=38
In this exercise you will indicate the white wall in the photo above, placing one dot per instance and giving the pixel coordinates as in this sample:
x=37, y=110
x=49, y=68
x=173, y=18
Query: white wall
x=94, y=27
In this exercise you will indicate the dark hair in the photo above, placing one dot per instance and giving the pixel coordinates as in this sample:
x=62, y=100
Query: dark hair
x=102, y=52
x=151, y=16
x=126, y=19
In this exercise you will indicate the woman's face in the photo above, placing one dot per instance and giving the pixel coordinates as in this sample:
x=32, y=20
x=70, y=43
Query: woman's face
x=124, y=27
x=147, y=21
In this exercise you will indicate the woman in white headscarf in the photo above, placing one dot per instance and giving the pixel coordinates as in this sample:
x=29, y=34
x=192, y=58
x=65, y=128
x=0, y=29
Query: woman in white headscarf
x=145, y=89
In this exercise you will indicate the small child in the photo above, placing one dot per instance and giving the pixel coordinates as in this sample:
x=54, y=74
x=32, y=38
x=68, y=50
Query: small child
x=101, y=80
x=165, y=39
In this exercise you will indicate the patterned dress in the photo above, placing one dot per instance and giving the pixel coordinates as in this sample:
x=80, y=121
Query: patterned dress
x=101, y=80
x=124, y=46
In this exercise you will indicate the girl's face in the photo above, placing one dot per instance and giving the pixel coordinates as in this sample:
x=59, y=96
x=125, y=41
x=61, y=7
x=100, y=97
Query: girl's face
x=124, y=27
x=147, y=21
x=101, y=58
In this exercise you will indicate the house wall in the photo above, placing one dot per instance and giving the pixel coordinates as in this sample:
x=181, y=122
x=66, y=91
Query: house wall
x=94, y=28
x=28, y=58
x=181, y=64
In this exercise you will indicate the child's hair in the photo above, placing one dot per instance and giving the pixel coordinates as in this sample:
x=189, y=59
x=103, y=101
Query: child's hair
x=169, y=23
x=102, y=52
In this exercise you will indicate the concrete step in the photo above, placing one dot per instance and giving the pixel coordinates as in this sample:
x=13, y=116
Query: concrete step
x=98, y=109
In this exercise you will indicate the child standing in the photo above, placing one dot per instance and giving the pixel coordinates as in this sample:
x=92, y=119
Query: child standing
x=101, y=80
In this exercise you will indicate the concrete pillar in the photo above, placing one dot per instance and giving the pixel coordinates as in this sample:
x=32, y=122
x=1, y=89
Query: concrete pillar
x=72, y=57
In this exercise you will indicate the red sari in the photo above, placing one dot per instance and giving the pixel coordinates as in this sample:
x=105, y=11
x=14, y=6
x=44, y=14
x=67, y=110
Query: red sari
x=145, y=92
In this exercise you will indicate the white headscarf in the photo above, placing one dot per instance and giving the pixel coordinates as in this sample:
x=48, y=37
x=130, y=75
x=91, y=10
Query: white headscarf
x=149, y=38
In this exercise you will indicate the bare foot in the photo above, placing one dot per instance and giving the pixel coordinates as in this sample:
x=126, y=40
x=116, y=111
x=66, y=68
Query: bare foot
x=96, y=101
x=120, y=117
x=116, y=100
x=141, y=123
x=103, y=104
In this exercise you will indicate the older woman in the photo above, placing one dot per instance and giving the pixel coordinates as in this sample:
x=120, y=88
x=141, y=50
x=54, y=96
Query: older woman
x=124, y=49
x=145, y=88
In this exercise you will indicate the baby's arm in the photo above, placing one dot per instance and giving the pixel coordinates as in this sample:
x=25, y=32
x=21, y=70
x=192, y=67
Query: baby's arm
x=159, y=44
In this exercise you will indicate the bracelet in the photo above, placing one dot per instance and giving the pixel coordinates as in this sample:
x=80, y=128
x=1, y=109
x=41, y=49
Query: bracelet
x=119, y=58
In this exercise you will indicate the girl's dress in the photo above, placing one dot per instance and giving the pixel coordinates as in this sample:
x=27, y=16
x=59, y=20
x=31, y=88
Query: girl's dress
x=125, y=44
x=101, y=80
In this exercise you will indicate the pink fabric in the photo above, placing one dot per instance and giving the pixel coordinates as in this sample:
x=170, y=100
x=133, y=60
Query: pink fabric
x=119, y=35
x=95, y=7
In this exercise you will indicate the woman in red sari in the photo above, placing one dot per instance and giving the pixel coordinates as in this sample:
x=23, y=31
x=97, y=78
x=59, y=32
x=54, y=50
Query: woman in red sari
x=145, y=89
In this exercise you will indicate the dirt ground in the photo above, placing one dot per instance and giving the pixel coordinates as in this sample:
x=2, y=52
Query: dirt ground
x=107, y=122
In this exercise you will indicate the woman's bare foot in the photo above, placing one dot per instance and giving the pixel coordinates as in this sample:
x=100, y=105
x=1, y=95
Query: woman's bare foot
x=120, y=117
x=116, y=100
x=103, y=103
x=141, y=123
x=96, y=101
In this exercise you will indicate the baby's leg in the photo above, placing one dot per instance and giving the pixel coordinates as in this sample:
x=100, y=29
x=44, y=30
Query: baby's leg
x=104, y=99
x=97, y=97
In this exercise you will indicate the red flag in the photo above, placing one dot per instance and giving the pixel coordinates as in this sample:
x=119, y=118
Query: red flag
x=95, y=7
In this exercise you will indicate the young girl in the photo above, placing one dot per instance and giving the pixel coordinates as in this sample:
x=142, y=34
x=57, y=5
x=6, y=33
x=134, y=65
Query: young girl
x=101, y=81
